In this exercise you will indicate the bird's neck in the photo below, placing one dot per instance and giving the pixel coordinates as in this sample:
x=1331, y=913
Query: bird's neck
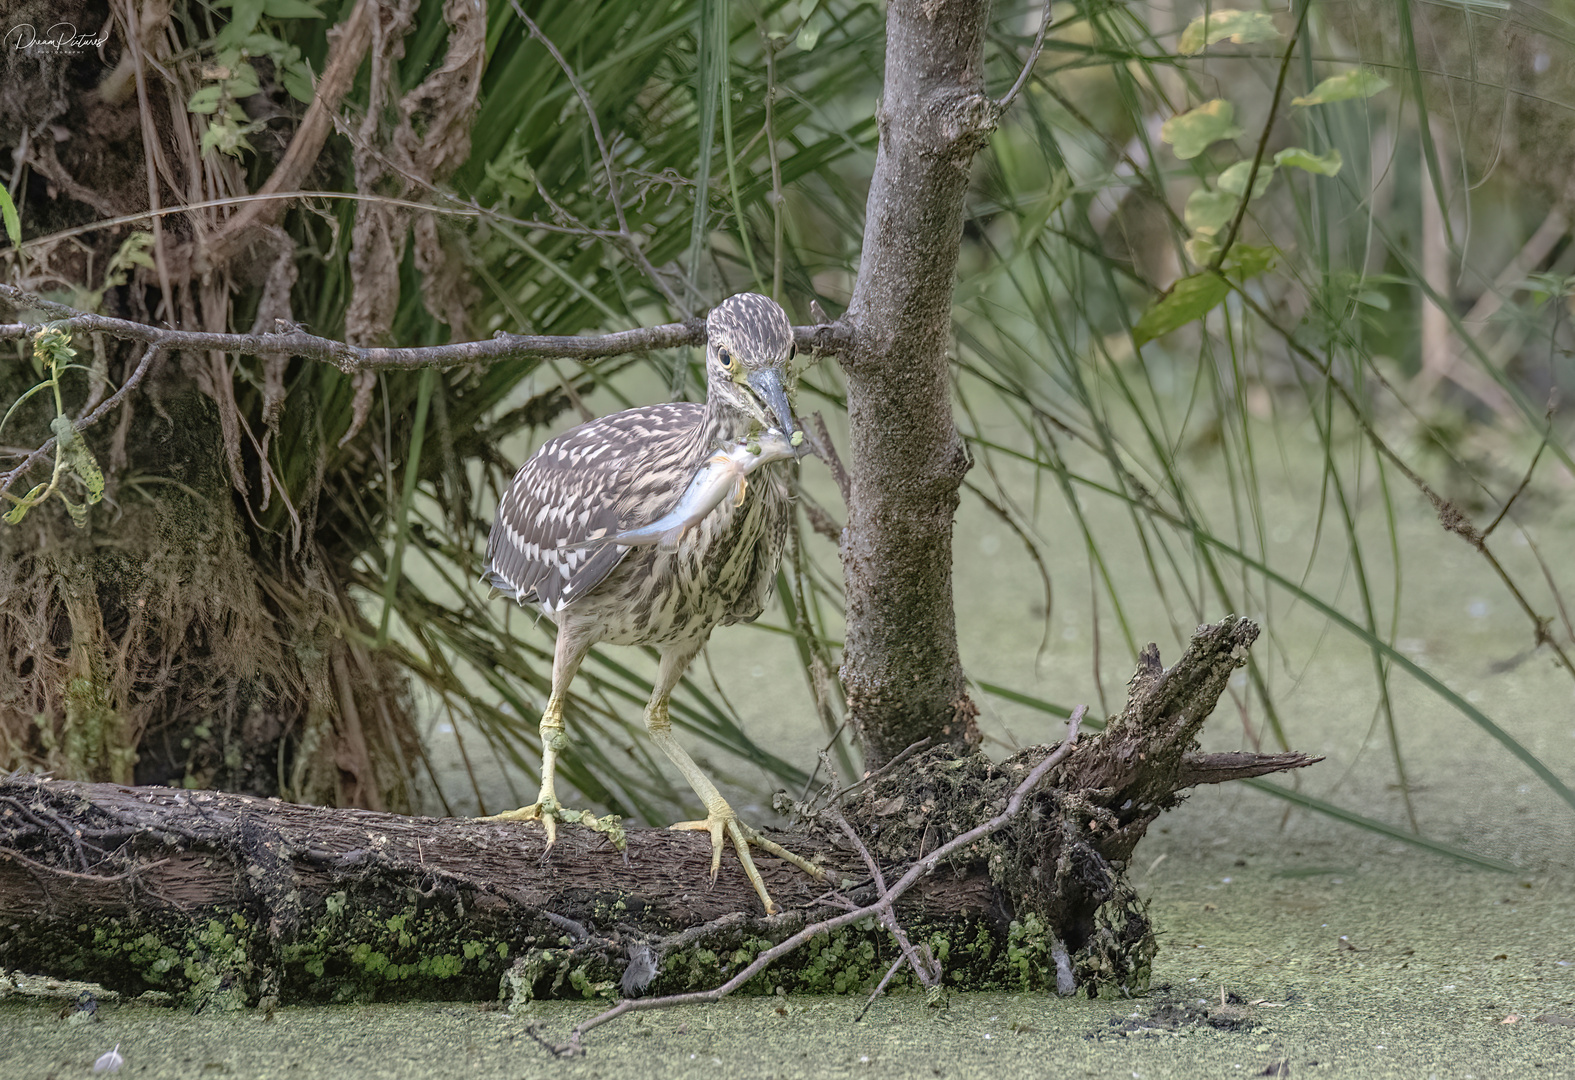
x=722, y=423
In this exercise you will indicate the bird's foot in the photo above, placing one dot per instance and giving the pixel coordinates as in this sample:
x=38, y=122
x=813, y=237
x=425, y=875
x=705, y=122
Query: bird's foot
x=724, y=822
x=547, y=811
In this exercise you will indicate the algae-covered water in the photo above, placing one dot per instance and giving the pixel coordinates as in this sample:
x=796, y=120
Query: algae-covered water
x=1336, y=952
x=1336, y=958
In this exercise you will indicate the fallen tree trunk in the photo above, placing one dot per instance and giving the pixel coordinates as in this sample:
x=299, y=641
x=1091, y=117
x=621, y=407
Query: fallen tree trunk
x=239, y=900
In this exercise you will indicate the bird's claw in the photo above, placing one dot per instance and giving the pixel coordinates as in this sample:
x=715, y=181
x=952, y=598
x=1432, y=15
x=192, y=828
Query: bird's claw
x=724, y=822
x=549, y=812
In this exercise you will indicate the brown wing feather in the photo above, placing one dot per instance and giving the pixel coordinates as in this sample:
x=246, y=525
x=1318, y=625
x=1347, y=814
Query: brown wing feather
x=623, y=470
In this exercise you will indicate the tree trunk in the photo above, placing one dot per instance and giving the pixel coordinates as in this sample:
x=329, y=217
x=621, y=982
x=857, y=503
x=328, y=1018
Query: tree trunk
x=901, y=671
x=231, y=899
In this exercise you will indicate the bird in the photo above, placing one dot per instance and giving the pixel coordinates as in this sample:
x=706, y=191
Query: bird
x=626, y=471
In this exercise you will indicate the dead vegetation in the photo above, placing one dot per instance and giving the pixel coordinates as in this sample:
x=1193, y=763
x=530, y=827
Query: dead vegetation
x=199, y=630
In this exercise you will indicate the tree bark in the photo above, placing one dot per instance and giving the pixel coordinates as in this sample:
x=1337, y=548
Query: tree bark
x=901, y=670
x=230, y=899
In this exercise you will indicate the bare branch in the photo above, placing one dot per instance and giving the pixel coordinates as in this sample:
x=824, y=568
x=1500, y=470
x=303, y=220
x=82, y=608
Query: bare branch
x=923, y=964
x=350, y=358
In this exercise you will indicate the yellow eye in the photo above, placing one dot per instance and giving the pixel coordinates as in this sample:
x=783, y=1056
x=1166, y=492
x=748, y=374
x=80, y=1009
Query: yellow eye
x=734, y=366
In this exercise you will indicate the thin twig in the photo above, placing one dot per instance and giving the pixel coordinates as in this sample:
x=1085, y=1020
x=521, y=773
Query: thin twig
x=826, y=450
x=1525, y=481
x=923, y=965
x=351, y=359
x=1263, y=143
x=880, y=987
x=916, y=871
x=884, y=769
x=1033, y=59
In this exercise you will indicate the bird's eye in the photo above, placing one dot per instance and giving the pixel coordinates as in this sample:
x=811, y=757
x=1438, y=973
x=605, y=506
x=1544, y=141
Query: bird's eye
x=792, y=350
x=734, y=366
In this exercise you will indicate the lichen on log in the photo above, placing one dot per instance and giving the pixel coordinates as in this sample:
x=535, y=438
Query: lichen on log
x=234, y=900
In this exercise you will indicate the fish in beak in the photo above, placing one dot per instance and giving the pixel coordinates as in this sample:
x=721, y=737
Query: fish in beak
x=767, y=385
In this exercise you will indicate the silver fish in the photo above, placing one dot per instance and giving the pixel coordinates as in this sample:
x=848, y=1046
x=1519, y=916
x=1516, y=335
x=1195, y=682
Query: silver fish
x=727, y=470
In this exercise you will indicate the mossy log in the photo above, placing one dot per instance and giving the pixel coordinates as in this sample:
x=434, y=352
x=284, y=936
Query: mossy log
x=232, y=900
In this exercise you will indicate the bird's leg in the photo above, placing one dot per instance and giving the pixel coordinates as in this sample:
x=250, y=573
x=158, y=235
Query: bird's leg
x=721, y=820
x=546, y=808
x=567, y=655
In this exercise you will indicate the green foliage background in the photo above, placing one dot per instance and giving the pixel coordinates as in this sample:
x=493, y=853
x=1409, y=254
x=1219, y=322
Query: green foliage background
x=1146, y=326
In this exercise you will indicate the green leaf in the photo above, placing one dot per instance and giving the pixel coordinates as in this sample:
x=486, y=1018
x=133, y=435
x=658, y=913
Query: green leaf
x=206, y=101
x=1543, y=287
x=37, y=388
x=77, y=511
x=1234, y=179
x=1356, y=83
x=1323, y=164
x=53, y=345
x=1188, y=299
x=1201, y=249
x=1248, y=260
x=226, y=136
x=133, y=252
x=1208, y=211
x=290, y=9
x=297, y=79
x=1242, y=27
x=1192, y=132
x=243, y=81
x=15, y=515
x=1244, y=260
x=258, y=45
x=78, y=458
x=13, y=223
x=243, y=20
x=810, y=33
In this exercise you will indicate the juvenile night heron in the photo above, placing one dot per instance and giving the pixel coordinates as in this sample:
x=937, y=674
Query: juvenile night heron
x=624, y=471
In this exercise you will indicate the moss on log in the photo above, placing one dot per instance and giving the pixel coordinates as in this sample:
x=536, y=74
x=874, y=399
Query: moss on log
x=232, y=900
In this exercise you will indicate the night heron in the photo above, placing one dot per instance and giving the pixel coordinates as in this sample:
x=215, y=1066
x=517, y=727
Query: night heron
x=625, y=471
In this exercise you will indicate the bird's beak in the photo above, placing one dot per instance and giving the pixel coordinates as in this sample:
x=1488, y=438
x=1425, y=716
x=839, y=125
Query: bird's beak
x=767, y=384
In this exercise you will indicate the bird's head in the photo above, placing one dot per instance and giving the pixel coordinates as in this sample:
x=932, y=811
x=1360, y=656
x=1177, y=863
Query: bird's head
x=748, y=351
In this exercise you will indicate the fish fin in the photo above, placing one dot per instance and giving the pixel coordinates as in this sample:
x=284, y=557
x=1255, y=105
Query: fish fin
x=743, y=486
x=669, y=541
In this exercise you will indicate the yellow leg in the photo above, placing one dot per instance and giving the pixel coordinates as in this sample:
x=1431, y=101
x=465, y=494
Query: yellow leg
x=721, y=820
x=546, y=808
x=570, y=651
